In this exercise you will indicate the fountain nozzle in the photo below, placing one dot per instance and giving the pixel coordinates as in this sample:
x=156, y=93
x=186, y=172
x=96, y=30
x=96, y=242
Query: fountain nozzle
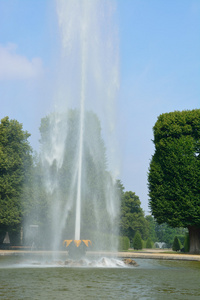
x=77, y=242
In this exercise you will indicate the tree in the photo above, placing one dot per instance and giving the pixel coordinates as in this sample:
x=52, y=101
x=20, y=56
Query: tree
x=148, y=244
x=132, y=216
x=186, y=243
x=36, y=207
x=137, y=241
x=176, y=244
x=15, y=166
x=59, y=159
x=174, y=173
x=124, y=243
x=165, y=233
x=151, y=225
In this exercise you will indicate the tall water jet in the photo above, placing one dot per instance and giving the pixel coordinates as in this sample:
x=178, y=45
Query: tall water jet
x=76, y=139
x=82, y=112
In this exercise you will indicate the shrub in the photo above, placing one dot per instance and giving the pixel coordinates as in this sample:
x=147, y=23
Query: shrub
x=176, y=244
x=137, y=241
x=181, y=238
x=124, y=243
x=149, y=243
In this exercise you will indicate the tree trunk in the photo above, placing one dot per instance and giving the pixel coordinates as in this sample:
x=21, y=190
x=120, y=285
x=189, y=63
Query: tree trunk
x=194, y=235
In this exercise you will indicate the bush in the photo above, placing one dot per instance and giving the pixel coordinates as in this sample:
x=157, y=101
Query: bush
x=176, y=244
x=137, y=241
x=187, y=243
x=124, y=243
x=181, y=238
x=149, y=243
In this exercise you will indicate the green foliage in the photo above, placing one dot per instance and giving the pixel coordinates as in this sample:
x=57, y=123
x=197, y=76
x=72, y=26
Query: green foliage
x=164, y=232
x=15, y=168
x=124, y=243
x=132, y=216
x=149, y=243
x=187, y=243
x=176, y=244
x=174, y=174
x=181, y=238
x=36, y=208
x=151, y=225
x=97, y=182
x=137, y=241
x=175, y=169
x=103, y=241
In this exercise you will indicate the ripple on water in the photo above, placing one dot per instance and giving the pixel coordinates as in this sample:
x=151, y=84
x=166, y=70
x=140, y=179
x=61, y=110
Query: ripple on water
x=158, y=280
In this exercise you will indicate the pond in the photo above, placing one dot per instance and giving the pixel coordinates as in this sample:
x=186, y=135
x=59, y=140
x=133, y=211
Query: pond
x=152, y=279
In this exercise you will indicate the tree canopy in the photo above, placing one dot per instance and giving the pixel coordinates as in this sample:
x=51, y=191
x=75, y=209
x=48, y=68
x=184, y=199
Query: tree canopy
x=15, y=164
x=174, y=173
x=59, y=161
x=132, y=216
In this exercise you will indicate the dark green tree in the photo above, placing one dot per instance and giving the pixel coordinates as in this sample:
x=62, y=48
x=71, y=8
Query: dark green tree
x=149, y=243
x=132, y=216
x=176, y=244
x=15, y=168
x=174, y=173
x=137, y=241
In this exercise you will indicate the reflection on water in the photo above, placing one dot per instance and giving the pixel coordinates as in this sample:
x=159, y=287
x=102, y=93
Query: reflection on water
x=153, y=279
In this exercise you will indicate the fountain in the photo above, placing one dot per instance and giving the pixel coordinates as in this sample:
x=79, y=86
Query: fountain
x=78, y=171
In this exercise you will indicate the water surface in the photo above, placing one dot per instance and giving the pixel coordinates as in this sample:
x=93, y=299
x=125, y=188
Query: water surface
x=153, y=279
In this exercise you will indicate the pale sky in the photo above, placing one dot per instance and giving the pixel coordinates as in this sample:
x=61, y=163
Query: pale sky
x=159, y=52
